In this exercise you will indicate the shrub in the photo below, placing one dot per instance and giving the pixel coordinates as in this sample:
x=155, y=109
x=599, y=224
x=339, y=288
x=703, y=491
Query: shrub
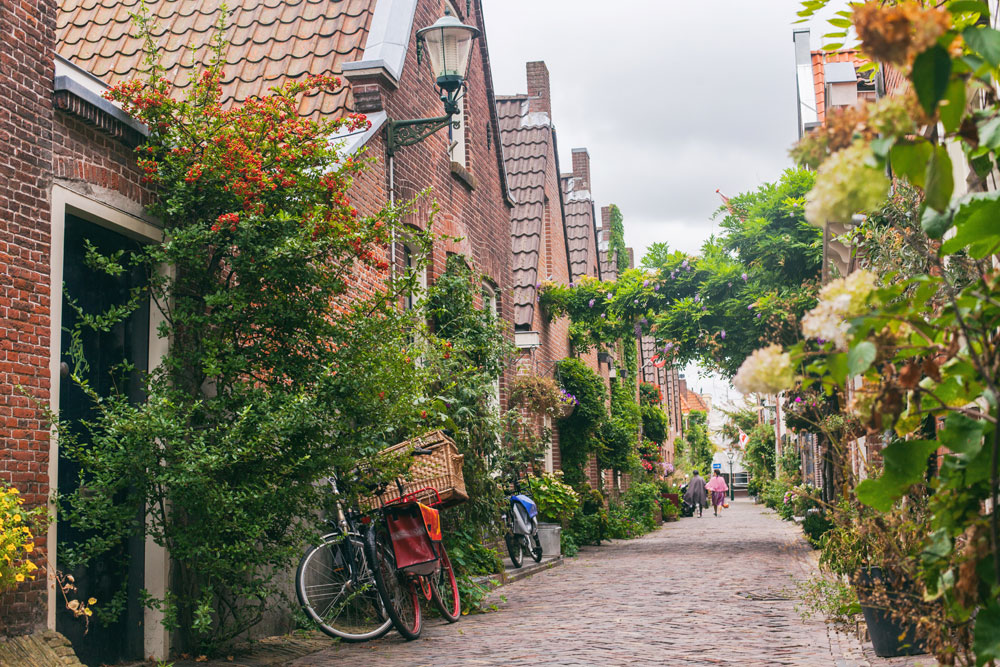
x=577, y=431
x=815, y=526
x=557, y=501
x=621, y=524
x=539, y=395
x=641, y=504
x=17, y=542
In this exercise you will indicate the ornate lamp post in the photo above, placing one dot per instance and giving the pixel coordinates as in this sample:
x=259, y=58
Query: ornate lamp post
x=447, y=44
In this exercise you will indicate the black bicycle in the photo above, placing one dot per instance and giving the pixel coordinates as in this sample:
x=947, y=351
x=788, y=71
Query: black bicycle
x=335, y=581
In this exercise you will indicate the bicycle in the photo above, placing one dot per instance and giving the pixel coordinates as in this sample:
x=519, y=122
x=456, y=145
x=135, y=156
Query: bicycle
x=409, y=566
x=350, y=585
x=521, y=521
x=335, y=582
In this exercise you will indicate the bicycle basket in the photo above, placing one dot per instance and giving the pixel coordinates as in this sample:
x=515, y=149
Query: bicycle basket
x=440, y=470
x=411, y=543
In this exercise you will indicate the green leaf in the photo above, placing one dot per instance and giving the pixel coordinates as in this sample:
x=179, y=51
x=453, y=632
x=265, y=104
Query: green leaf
x=984, y=41
x=931, y=70
x=840, y=23
x=837, y=364
x=934, y=223
x=986, y=642
x=910, y=160
x=961, y=434
x=959, y=6
x=952, y=112
x=977, y=228
x=860, y=357
x=905, y=465
x=833, y=47
x=882, y=145
x=940, y=180
x=989, y=133
x=938, y=546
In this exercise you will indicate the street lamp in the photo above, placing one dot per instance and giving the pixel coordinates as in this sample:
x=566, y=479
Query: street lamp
x=731, y=455
x=448, y=44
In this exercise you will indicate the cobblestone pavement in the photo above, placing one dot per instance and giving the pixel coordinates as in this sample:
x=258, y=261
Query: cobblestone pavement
x=701, y=591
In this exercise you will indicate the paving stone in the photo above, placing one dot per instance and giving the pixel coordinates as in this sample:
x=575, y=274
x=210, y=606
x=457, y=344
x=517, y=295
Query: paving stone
x=708, y=591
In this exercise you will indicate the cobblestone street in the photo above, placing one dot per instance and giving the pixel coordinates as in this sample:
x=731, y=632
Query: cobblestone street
x=700, y=591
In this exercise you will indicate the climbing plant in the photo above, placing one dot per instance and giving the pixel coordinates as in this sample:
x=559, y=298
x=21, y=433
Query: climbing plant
x=578, y=432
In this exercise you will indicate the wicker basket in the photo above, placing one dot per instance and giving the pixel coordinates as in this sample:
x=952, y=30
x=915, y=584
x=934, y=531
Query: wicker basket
x=441, y=469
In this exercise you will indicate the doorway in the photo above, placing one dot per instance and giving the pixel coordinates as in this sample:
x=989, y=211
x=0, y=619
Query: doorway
x=105, y=352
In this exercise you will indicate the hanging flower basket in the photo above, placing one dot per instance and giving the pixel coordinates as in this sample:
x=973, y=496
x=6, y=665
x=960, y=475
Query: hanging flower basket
x=566, y=404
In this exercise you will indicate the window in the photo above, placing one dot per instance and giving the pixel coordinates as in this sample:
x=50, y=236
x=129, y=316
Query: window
x=410, y=264
x=490, y=305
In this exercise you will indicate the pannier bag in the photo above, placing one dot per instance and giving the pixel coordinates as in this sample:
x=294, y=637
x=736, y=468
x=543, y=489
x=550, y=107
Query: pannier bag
x=411, y=541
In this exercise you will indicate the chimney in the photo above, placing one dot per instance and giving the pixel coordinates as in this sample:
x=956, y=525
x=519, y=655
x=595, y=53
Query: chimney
x=581, y=168
x=605, y=216
x=539, y=98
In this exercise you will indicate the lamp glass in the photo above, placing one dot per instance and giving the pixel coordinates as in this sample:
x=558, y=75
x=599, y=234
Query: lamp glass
x=449, y=44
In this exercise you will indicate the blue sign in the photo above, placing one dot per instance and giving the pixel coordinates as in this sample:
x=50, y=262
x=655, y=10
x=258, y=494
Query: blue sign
x=716, y=466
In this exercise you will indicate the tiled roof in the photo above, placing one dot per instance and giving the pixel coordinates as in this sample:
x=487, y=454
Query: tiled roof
x=692, y=401
x=526, y=152
x=270, y=42
x=579, y=230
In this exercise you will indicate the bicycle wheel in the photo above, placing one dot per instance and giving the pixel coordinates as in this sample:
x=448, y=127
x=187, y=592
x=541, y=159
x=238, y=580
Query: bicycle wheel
x=536, y=549
x=399, y=595
x=341, y=605
x=444, y=589
x=515, y=548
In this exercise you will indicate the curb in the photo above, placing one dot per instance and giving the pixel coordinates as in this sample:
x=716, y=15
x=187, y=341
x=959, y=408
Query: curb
x=510, y=575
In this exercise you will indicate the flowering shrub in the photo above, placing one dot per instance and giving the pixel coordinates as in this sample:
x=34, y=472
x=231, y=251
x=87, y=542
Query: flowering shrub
x=556, y=500
x=769, y=370
x=839, y=301
x=846, y=183
x=16, y=539
x=278, y=372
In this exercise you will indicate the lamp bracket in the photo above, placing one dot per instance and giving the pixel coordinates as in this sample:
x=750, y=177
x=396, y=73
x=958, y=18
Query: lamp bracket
x=400, y=133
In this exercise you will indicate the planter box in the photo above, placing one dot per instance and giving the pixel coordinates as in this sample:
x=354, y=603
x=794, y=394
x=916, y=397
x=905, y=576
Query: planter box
x=549, y=535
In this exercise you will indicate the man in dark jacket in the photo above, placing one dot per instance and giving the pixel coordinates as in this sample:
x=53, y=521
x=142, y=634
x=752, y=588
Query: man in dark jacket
x=695, y=494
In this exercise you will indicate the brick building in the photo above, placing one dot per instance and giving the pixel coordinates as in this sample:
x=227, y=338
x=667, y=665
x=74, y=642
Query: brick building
x=69, y=175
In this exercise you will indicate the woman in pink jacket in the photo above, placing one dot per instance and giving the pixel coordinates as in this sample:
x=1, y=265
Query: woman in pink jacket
x=717, y=485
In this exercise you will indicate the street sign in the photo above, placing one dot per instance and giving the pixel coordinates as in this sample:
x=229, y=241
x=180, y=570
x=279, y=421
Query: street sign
x=716, y=466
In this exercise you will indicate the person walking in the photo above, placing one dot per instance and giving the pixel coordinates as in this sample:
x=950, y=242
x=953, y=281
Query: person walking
x=695, y=494
x=717, y=485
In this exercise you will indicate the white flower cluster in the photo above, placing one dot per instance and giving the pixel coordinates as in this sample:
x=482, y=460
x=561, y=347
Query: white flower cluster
x=839, y=301
x=848, y=182
x=766, y=371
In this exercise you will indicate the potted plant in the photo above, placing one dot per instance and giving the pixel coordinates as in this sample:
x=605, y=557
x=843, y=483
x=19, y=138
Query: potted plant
x=557, y=502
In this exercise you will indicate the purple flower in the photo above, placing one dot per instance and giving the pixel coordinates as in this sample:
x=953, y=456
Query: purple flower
x=571, y=284
x=667, y=347
x=722, y=334
x=745, y=277
x=704, y=307
x=673, y=274
x=604, y=315
x=684, y=264
x=538, y=286
x=608, y=296
x=798, y=399
x=656, y=288
x=643, y=320
x=645, y=283
x=636, y=302
x=591, y=303
x=697, y=298
x=758, y=316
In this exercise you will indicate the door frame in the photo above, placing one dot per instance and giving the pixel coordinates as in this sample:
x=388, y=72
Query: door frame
x=67, y=202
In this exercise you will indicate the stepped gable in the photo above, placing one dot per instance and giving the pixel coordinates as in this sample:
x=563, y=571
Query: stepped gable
x=525, y=150
x=270, y=42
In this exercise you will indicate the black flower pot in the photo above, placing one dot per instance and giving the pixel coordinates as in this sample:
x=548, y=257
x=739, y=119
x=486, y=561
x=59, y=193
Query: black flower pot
x=890, y=637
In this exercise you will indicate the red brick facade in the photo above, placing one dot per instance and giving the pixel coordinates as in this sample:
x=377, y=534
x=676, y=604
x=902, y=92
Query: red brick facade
x=26, y=74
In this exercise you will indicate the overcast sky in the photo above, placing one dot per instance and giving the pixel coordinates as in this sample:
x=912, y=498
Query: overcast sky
x=673, y=99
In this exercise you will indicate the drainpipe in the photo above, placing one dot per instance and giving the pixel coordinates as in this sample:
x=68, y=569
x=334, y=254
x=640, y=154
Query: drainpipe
x=392, y=202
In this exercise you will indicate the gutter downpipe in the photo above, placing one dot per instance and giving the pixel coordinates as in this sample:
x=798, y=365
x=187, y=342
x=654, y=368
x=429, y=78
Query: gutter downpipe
x=392, y=203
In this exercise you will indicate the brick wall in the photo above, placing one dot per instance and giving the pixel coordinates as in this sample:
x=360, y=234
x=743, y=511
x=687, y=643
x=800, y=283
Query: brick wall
x=472, y=209
x=26, y=75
